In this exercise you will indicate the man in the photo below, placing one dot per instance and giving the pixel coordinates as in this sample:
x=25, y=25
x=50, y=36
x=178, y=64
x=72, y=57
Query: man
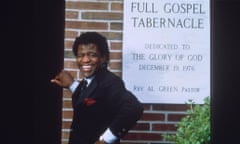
x=103, y=109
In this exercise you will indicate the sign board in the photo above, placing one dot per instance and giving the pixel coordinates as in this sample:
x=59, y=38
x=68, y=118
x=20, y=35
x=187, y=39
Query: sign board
x=166, y=50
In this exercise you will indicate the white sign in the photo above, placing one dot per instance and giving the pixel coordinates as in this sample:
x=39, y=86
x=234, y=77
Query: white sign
x=166, y=50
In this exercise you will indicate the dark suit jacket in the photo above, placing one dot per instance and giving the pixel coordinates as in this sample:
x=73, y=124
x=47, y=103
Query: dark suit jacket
x=106, y=103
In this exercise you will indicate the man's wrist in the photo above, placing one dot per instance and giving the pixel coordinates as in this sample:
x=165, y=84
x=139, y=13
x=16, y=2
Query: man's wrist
x=74, y=85
x=101, y=141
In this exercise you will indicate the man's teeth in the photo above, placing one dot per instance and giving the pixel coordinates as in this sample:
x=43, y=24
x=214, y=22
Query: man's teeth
x=86, y=67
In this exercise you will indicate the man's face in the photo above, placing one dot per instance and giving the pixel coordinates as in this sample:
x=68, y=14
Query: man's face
x=89, y=59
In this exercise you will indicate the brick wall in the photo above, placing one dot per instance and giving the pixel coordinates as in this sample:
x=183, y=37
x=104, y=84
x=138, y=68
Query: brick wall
x=106, y=17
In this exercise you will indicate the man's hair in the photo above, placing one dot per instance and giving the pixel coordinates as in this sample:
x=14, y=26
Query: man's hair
x=92, y=38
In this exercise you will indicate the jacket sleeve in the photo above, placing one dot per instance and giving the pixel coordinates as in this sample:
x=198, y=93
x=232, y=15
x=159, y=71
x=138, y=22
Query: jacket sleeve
x=129, y=111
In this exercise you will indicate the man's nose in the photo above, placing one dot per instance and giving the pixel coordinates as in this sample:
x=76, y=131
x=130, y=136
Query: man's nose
x=86, y=58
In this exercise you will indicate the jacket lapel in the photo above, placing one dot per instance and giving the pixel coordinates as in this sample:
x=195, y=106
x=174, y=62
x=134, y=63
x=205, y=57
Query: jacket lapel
x=87, y=92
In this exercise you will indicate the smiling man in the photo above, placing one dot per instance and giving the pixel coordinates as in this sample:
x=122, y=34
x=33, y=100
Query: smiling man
x=104, y=110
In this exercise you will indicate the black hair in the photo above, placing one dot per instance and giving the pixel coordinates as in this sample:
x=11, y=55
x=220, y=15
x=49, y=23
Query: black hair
x=92, y=38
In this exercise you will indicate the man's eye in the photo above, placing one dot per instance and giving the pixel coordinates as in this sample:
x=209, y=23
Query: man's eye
x=80, y=55
x=92, y=54
x=88, y=55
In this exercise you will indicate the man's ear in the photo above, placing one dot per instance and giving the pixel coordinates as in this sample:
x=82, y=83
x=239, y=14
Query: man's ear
x=103, y=59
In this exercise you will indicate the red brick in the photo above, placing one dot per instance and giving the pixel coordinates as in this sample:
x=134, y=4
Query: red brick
x=170, y=107
x=70, y=64
x=67, y=104
x=86, y=25
x=116, y=45
x=67, y=93
x=102, y=15
x=71, y=14
x=117, y=6
x=66, y=124
x=116, y=25
x=112, y=35
x=68, y=44
x=164, y=127
x=71, y=34
x=115, y=65
x=115, y=55
x=87, y=5
x=175, y=117
x=64, y=142
x=146, y=106
x=141, y=126
x=153, y=117
x=143, y=136
x=67, y=114
x=65, y=135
